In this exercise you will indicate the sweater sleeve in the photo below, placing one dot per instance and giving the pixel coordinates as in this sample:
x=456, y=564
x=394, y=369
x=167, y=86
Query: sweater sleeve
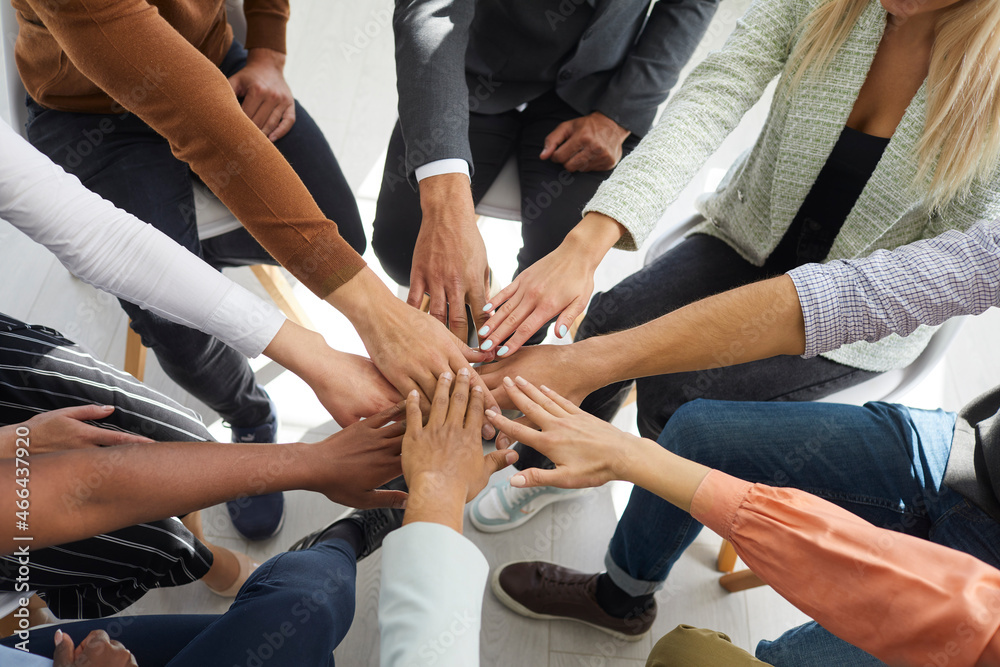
x=115, y=251
x=266, y=22
x=903, y=599
x=708, y=106
x=127, y=49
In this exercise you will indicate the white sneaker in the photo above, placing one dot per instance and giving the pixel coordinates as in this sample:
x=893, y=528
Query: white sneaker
x=505, y=507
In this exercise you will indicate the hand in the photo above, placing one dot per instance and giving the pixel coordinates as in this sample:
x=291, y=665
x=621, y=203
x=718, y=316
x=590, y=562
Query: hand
x=352, y=463
x=443, y=461
x=62, y=429
x=558, y=284
x=448, y=448
x=449, y=259
x=351, y=388
x=267, y=99
x=587, y=451
x=409, y=348
x=558, y=366
x=590, y=143
x=96, y=650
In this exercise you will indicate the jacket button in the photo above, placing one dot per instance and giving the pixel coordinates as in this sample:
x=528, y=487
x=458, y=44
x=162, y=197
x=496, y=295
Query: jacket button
x=588, y=34
x=565, y=75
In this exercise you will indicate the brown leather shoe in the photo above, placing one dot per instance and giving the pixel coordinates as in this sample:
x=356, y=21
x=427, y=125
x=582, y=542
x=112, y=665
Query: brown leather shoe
x=547, y=591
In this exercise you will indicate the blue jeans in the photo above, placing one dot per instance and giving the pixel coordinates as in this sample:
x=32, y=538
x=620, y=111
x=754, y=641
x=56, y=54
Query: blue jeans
x=883, y=462
x=121, y=158
x=293, y=611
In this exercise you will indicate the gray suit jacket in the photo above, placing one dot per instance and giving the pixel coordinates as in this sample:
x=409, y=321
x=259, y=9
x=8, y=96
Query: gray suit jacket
x=619, y=57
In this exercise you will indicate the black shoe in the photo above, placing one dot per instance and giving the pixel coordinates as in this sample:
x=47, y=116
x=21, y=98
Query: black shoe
x=372, y=525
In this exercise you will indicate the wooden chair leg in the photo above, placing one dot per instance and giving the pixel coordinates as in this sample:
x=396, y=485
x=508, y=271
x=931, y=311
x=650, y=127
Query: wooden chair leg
x=135, y=355
x=727, y=557
x=740, y=581
x=281, y=293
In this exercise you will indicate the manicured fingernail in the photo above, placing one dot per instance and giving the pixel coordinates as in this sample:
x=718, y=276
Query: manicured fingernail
x=463, y=371
x=107, y=407
x=58, y=637
x=446, y=375
x=508, y=382
x=563, y=330
x=488, y=307
x=517, y=480
x=402, y=505
x=521, y=381
x=490, y=413
x=502, y=351
x=544, y=388
x=488, y=345
x=511, y=457
x=485, y=330
x=477, y=389
x=414, y=394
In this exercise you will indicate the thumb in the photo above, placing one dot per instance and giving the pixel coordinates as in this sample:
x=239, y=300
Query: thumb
x=499, y=460
x=555, y=137
x=530, y=477
x=565, y=322
x=86, y=412
x=383, y=498
x=63, y=655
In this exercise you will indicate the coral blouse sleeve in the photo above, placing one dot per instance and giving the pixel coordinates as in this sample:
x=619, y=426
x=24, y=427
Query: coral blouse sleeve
x=905, y=600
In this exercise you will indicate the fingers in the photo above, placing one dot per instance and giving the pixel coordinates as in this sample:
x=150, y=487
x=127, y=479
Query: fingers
x=525, y=330
x=438, y=307
x=517, y=431
x=488, y=401
x=252, y=104
x=381, y=498
x=526, y=404
x=476, y=356
x=477, y=301
x=474, y=413
x=567, y=151
x=539, y=398
x=498, y=460
x=501, y=297
x=273, y=119
x=460, y=398
x=537, y=477
x=587, y=158
x=284, y=126
x=85, y=412
x=501, y=324
x=63, y=655
x=439, y=404
x=391, y=413
x=417, y=290
x=569, y=406
x=565, y=321
x=555, y=138
x=104, y=437
x=414, y=419
x=458, y=323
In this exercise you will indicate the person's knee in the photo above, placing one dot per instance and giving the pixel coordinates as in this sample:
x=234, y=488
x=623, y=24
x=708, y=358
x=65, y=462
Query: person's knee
x=394, y=253
x=686, y=646
x=689, y=431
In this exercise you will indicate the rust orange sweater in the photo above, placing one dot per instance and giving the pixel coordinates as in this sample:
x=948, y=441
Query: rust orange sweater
x=159, y=60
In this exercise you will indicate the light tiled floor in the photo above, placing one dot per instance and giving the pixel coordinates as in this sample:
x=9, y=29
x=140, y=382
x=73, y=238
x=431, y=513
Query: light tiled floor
x=341, y=67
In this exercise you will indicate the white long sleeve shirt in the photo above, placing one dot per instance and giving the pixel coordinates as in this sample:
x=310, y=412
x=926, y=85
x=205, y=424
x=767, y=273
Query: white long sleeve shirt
x=120, y=254
x=431, y=601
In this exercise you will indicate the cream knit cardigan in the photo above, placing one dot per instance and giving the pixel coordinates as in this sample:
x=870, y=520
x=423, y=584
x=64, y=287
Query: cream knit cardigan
x=759, y=197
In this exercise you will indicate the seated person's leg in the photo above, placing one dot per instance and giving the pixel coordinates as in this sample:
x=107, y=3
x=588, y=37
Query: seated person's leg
x=398, y=215
x=864, y=459
x=811, y=644
x=685, y=646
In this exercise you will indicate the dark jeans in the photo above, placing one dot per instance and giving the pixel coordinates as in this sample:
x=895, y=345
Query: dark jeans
x=882, y=462
x=698, y=267
x=293, y=611
x=552, y=199
x=121, y=158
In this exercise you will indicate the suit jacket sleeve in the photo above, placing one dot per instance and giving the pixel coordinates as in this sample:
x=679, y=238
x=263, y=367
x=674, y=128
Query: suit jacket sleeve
x=672, y=32
x=431, y=600
x=431, y=39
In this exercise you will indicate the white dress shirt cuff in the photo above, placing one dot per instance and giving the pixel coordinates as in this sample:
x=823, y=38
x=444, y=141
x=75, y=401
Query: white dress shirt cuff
x=451, y=165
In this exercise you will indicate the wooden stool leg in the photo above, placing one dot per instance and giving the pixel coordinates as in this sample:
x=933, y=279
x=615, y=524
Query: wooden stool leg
x=135, y=355
x=281, y=293
x=740, y=581
x=727, y=557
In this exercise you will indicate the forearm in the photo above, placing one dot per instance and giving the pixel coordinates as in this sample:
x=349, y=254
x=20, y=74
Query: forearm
x=753, y=322
x=81, y=493
x=646, y=464
x=435, y=499
x=592, y=238
x=367, y=303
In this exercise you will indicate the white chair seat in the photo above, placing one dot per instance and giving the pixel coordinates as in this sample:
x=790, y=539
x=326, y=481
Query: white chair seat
x=503, y=199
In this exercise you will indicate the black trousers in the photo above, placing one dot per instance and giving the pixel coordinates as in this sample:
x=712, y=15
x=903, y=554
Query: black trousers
x=698, y=267
x=552, y=199
x=40, y=371
x=121, y=158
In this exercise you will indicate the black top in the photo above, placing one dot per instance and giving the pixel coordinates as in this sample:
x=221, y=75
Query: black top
x=829, y=202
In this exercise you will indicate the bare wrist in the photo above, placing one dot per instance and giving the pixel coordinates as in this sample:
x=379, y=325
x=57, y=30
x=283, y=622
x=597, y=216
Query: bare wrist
x=265, y=56
x=634, y=457
x=435, y=497
x=593, y=237
x=445, y=193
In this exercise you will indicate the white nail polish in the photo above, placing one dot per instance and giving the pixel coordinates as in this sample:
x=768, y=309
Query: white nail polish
x=485, y=347
x=563, y=330
x=488, y=307
x=502, y=351
x=485, y=330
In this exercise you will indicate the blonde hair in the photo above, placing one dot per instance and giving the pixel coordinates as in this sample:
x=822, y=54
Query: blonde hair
x=962, y=129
